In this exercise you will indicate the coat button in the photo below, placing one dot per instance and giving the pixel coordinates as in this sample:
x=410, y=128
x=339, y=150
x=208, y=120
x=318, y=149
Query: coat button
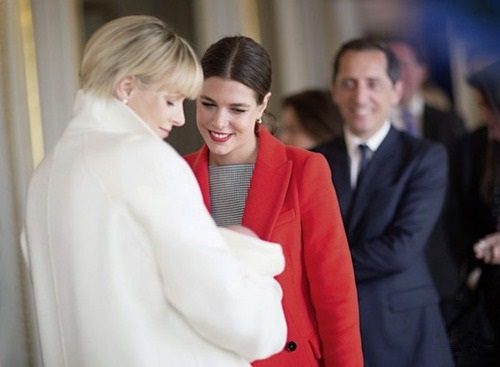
x=291, y=346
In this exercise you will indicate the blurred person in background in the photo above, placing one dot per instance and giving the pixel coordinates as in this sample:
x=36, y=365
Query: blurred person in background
x=415, y=114
x=309, y=118
x=474, y=226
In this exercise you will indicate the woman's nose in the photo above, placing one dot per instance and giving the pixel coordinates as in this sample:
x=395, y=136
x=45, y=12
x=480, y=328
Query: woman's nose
x=179, y=118
x=219, y=119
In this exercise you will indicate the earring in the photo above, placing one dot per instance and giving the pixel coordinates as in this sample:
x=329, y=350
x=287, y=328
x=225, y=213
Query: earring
x=125, y=101
x=259, y=120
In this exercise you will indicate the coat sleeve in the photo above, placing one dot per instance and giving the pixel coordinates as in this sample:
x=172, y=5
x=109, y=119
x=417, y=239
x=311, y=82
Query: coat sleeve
x=237, y=310
x=329, y=266
x=398, y=227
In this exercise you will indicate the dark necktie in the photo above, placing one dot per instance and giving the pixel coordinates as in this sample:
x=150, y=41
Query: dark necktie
x=364, y=150
x=410, y=122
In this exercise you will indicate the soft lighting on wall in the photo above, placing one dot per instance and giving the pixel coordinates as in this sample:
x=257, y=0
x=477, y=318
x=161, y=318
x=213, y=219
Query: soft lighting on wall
x=32, y=94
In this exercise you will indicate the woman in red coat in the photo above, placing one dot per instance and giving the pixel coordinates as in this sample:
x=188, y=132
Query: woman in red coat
x=285, y=195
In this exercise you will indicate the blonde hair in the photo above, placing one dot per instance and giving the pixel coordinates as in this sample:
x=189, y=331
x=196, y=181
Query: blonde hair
x=140, y=46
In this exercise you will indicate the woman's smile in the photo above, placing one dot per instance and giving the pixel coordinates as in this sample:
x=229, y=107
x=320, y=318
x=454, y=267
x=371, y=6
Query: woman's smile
x=219, y=137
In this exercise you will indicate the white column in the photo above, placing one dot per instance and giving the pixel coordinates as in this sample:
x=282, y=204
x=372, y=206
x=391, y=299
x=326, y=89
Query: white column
x=58, y=39
x=344, y=21
x=308, y=34
x=215, y=19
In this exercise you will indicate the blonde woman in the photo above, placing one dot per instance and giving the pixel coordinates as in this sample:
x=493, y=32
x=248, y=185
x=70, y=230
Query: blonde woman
x=127, y=266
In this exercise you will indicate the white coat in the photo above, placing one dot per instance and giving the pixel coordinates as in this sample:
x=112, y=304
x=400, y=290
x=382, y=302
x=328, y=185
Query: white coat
x=126, y=264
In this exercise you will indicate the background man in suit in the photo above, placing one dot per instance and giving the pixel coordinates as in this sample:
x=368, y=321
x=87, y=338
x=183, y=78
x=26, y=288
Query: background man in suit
x=389, y=210
x=418, y=115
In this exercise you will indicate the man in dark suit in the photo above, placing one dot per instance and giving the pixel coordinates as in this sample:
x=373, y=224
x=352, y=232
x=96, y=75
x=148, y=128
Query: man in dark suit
x=391, y=193
x=417, y=114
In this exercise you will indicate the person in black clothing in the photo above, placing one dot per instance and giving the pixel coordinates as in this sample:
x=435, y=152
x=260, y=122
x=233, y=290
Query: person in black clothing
x=474, y=219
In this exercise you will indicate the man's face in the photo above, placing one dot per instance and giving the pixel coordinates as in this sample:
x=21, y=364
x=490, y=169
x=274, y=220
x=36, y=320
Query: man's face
x=364, y=92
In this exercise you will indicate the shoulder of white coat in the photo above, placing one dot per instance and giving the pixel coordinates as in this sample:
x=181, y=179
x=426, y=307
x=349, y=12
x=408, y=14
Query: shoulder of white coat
x=122, y=162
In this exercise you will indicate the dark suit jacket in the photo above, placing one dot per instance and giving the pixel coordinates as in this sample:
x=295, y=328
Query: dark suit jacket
x=388, y=221
x=444, y=127
x=469, y=216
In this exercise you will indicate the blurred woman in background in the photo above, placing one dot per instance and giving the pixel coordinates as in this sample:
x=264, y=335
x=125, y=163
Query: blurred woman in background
x=309, y=118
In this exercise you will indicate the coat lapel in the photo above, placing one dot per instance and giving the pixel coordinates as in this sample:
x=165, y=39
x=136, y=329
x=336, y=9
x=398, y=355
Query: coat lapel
x=199, y=165
x=268, y=187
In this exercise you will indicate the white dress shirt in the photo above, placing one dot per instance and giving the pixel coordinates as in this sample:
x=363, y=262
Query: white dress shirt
x=352, y=143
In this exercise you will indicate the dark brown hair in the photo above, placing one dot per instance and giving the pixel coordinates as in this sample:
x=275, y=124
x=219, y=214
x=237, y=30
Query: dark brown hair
x=316, y=112
x=241, y=59
x=369, y=44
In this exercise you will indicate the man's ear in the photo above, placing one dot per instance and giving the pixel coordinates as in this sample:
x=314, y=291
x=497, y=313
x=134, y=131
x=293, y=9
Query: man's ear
x=397, y=92
x=124, y=87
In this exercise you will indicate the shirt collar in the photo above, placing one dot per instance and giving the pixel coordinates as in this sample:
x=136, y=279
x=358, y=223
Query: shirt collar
x=352, y=141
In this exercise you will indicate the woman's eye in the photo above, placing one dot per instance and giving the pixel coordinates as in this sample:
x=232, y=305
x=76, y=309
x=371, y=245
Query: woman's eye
x=207, y=104
x=238, y=110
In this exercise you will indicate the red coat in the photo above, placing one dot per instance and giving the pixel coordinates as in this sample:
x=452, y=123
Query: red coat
x=291, y=201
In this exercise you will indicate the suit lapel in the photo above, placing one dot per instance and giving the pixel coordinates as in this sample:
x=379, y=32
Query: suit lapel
x=373, y=177
x=269, y=185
